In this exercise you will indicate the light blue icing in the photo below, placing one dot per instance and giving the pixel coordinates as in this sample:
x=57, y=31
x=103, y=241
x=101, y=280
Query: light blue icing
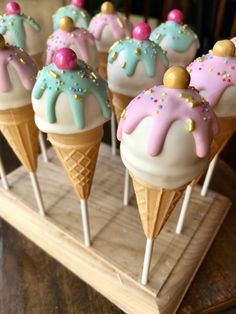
x=74, y=13
x=180, y=37
x=76, y=85
x=14, y=24
x=136, y=51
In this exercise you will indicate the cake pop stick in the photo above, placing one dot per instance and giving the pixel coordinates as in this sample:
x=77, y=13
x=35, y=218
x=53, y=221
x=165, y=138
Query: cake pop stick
x=209, y=175
x=37, y=193
x=183, y=211
x=73, y=113
x=126, y=188
x=43, y=147
x=3, y=176
x=18, y=73
x=173, y=148
x=113, y=134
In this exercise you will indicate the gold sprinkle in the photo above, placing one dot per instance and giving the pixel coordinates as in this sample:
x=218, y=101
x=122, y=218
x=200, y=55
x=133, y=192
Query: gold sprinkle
x=53, y=74
x=83, y=13
x=123, y=114
x=190, y=100
x=72, y=35
x=200, y=59
x=185, y=26
x=163, y=94
x=155, y=112
x=123, y=65
x=120, y=23
x=127, y=37
x=158, y=35
x=78, y=97
x=114, y=56
x=29, y=17
x=74, y=12
x=22, y=61
x=94, y=75
x=138, y=51
x=148, y=91
x=43, y=88
x=210, y=51
x=210, y=70
x=114, y=45
x=191, y=125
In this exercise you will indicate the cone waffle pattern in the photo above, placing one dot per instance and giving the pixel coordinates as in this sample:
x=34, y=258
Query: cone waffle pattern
x=227, y=129
x=78, y=154
x=102, y=68
x=18, y=127
x=119, y=103
x=38, y=58
x=155, y=205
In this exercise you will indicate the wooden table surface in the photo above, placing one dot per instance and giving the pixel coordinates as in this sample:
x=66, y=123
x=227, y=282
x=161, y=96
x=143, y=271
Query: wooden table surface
x=31, y=282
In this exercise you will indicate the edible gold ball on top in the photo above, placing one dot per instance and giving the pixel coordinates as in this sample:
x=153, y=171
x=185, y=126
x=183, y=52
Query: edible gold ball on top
x=66, y=24
x=2, y=41
x=224, y=48
x=176, y=77
x=107, y=8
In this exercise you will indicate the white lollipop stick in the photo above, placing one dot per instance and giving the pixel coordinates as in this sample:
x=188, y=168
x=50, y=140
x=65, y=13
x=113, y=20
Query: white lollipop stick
x=113, y=134
x=126, y=188
x=43, y=147
x=37, y=193
x=184, y=208
x=209, y=176
x=85, y=221
x=147, y=261
x=3, y=176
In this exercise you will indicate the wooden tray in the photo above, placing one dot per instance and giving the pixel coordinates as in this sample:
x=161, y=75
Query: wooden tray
x=113, y=264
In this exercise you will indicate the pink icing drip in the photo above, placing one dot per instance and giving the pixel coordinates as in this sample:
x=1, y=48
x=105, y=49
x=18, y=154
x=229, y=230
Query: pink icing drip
x=25, y=69
x=171, y=107
x=213, y=74
x=101, y=20
x=79, y=37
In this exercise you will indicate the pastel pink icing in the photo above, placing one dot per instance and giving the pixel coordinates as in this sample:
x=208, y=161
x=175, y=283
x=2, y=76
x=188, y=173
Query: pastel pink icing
x=65, y=59
x=101, y=20
x=165, y=106
x=79, y=37
x=213, y=74
x=23, y=65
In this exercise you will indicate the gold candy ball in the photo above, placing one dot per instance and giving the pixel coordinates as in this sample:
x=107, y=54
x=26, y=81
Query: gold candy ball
x=66, y=24
x=107, y=8
x=224, y=48
x=2, y=41
x=176, y=77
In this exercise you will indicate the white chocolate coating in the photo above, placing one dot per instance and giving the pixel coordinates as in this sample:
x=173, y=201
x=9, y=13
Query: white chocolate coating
x=92, y=54
x=120, y=83
x=18, y=96
x=106, y=41
x=179, y=58
x=65, y=123
x=226, y=106
x=175, y=166
x=34, y=41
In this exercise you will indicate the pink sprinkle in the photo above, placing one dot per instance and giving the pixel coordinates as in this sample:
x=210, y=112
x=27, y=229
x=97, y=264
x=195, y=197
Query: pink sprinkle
x=199, y=69
x=155, y=100
x=229, y=80
x=232, y=68
x=218, y=73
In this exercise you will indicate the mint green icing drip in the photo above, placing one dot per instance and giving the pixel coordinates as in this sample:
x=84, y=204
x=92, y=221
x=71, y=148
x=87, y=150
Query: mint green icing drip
x=180, y=37
x=74, y=13
x=136, y=51
x=14, y=24
x=76, y=85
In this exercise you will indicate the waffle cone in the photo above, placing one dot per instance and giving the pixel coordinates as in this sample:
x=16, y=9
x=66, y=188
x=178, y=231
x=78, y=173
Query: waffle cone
x=38, y=58
x=102, y=68
x=18, y=127
x=78, y=154
x=155, y=205
x=227, y=129
x=119, y=103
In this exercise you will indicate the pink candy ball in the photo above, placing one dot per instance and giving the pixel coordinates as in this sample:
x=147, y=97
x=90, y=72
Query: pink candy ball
x=141, y=31
x=65, y=59
x=12, y=8
x=78, y=3
x=175, y=16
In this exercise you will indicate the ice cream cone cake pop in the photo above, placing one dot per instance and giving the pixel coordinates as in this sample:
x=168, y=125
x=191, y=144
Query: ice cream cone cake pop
x=165, y=135
x=78, y=39
x=180, y=42
x=214, y=75
x=107, y=27
x=71, y=105
x=133, y=64
x=75, y=11
x=18, y=74
x=21, y=30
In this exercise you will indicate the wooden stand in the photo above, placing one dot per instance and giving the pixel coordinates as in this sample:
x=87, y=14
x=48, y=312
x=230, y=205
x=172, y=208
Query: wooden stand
x=113, y=264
